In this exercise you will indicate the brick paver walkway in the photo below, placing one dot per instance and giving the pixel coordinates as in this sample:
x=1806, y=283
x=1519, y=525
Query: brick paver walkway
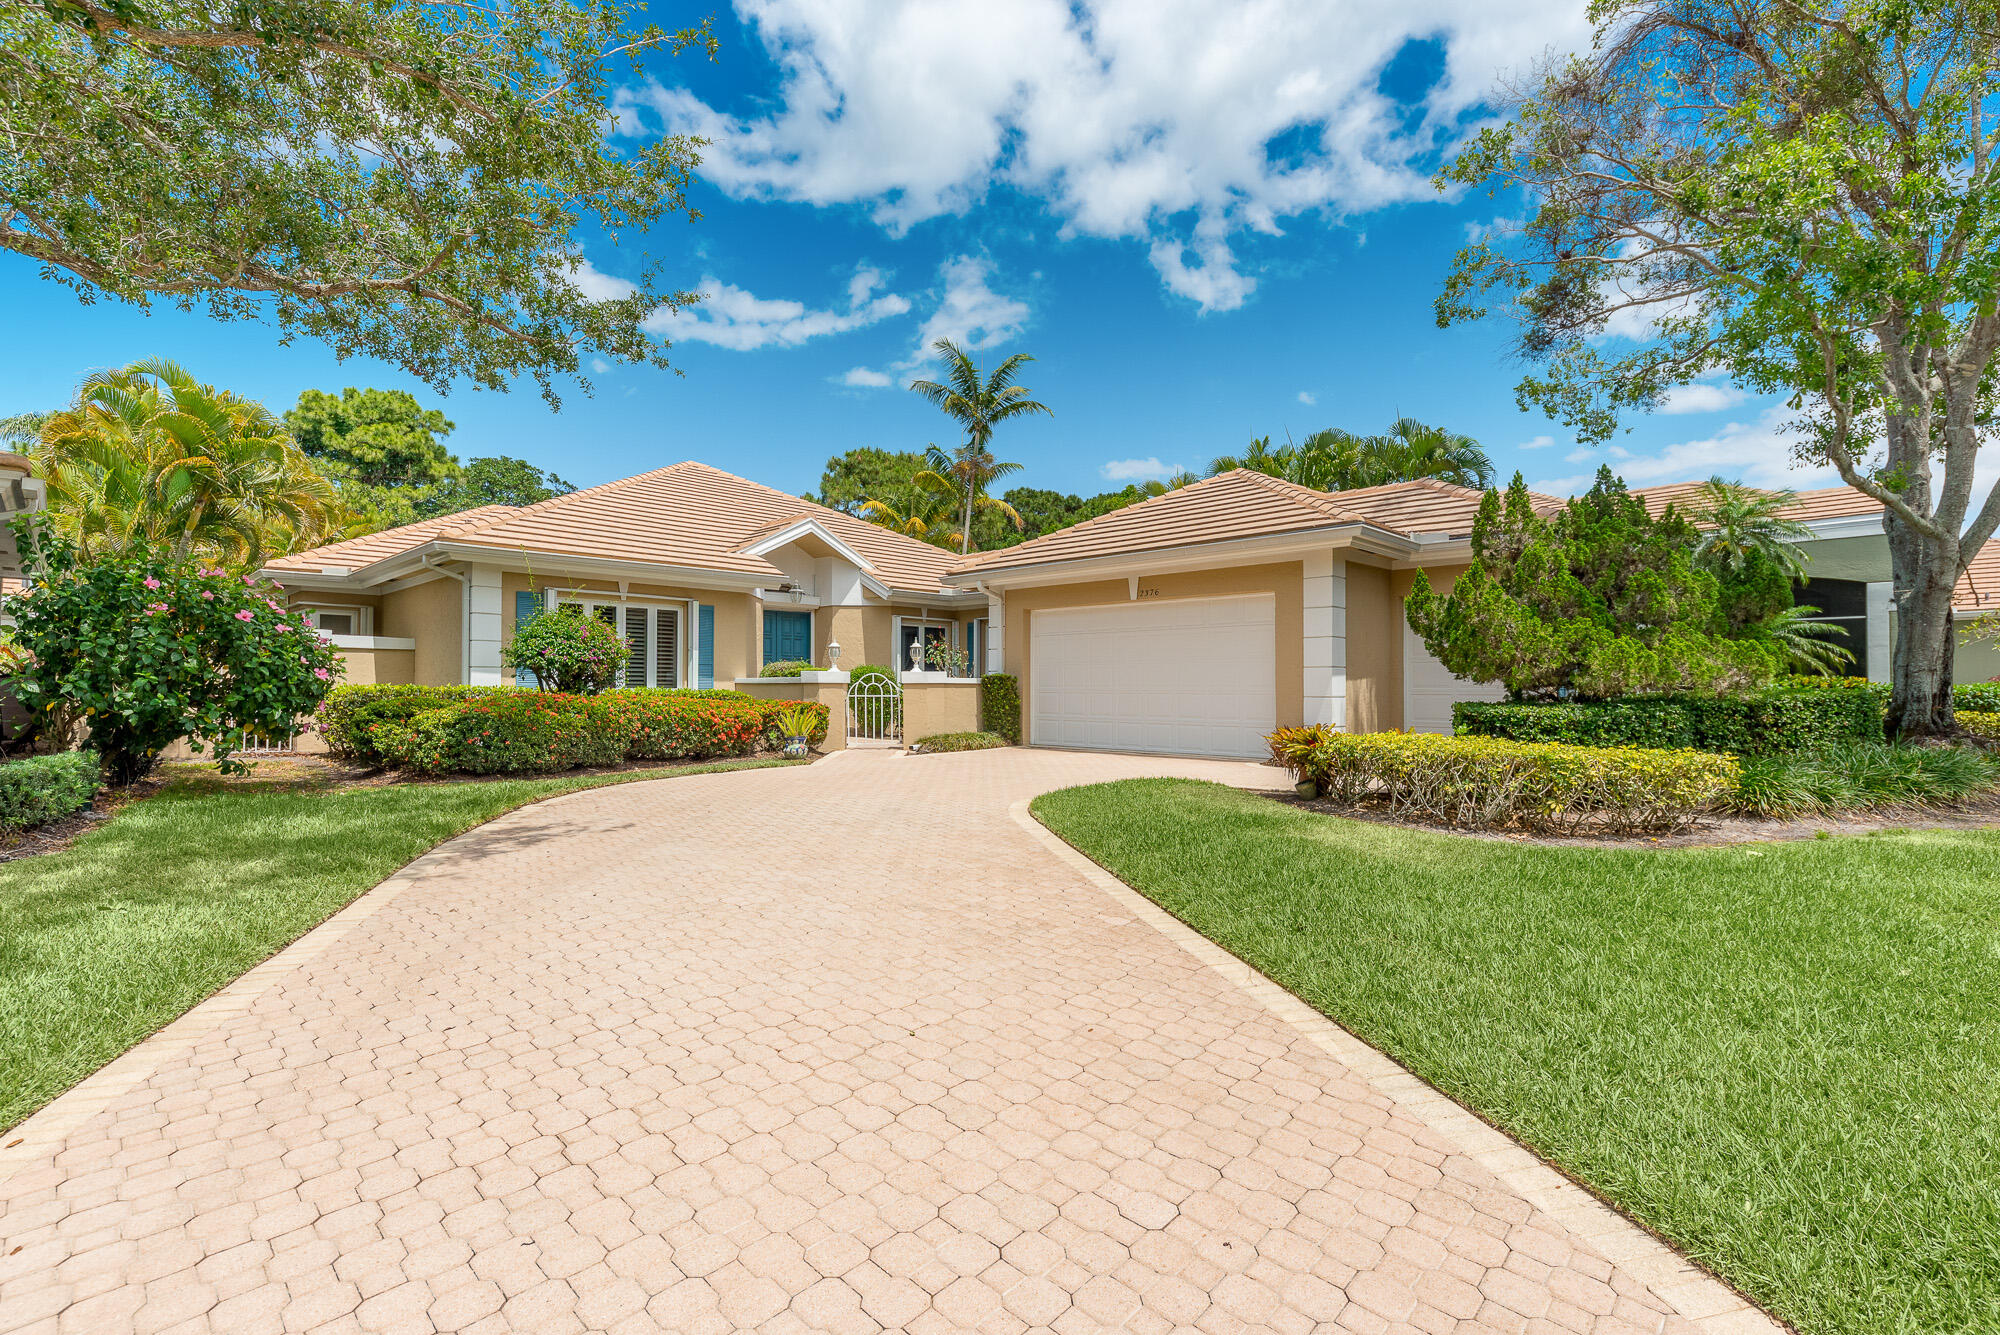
x=844, y=1048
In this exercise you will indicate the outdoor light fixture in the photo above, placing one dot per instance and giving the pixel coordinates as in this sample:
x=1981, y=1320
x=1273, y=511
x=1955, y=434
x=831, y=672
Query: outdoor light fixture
x=833, y=652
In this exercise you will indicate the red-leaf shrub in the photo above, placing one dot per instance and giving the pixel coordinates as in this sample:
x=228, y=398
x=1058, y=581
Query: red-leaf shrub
x=504, y=734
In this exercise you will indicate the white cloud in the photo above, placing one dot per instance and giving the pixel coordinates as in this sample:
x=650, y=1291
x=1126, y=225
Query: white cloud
x=1182, y=124
x=1758, y=453
x=1137, y=470
x=1538, y=443
x=1701, y=397
x=730, y=317
x=599, y=366
x=596, y=285
x=969, y=313
x=1306, y=397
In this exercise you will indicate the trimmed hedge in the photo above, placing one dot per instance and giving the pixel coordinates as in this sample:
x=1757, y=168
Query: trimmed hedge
x=1000, y=705
x=1981, y=723
x=786, y=667
x=940, y=742
x=35, y=790
x=350, y=714
x=1764, y=723
x=1978, y=696
x=510, y=729
x=1486, y=782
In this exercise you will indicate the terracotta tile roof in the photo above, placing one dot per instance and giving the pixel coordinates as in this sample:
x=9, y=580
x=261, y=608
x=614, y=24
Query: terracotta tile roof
x=1245, y=504
x=370, y=548
x=1979, y=587
x=1236, y=504
x=687, y=514
x=1824, y=503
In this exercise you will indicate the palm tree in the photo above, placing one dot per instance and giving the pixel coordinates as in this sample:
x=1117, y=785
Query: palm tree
x=978, y=405
x=1336, y=460
x=963, y=477
x=148, y=454
x=1738, y=523
x=1412, y=450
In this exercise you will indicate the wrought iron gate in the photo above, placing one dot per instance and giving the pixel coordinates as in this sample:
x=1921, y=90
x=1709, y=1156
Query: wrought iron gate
x=874, y=710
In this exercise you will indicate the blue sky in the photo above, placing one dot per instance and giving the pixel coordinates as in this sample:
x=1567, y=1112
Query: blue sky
x=1206, y=222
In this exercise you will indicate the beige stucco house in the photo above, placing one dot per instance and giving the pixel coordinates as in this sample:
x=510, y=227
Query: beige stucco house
x=1192, y=623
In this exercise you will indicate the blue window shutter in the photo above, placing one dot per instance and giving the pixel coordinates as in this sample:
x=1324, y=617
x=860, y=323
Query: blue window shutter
x=526, y=603
x=705, y=667
x=787, y=636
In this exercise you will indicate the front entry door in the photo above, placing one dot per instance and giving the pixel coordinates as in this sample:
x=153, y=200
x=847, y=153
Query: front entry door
x=787, y=637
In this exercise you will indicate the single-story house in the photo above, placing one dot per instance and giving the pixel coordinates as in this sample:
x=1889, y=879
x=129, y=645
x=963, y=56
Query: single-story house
x=1193, y=622
x=708, y=576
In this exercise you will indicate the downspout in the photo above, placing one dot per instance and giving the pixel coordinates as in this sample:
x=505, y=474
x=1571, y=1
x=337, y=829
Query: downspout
x=464, y=619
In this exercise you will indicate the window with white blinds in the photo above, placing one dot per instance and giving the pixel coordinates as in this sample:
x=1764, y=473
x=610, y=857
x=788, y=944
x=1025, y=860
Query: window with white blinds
x=652, y=639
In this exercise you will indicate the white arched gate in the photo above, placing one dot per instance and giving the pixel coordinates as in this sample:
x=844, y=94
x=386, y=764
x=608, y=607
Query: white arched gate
x=874, y=711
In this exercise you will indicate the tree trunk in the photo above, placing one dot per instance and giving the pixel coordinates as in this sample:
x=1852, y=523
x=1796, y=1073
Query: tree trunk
x=1925, y=572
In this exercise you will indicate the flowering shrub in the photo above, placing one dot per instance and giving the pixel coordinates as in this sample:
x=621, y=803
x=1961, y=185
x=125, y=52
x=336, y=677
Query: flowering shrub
x=143, y=649
x=942, y=657
x=505, y=734
x=1488, y=781
x=566, y=651
x=505, y=729
x=348, y=715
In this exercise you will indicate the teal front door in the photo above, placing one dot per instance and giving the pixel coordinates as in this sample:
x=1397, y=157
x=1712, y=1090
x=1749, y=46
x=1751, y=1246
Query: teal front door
x=788, y=637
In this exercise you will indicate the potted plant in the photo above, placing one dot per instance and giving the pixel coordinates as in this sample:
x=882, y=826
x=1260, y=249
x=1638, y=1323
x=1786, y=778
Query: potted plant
x=795, y=726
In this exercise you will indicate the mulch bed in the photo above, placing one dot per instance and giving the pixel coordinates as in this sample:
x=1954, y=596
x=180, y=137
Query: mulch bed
x=1717, y=831
x=267, y=775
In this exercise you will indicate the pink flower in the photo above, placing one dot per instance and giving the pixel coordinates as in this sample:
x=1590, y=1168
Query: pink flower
x=322, y=674
x=283, y=626
x=152, y=583
x=246, y=616
x=206, y=594
x=249, y=579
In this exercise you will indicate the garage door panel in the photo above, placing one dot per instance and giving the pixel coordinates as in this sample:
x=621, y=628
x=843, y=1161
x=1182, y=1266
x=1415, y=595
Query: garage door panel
x=1195, y=676
x=1430, y=690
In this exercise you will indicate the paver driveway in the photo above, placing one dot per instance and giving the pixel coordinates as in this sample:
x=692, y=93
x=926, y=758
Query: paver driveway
x=837, y=1048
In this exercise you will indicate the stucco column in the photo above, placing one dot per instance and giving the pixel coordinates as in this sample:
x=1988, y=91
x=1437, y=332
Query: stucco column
x=996, y=639
x=1325, y=627
x=1880, y=632
x=482, y=627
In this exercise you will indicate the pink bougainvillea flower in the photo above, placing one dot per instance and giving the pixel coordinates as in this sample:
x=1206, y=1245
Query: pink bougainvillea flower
x=322, y=674
x=249, y=579
x=246, y=616
x=152, y=583
x=209, y=596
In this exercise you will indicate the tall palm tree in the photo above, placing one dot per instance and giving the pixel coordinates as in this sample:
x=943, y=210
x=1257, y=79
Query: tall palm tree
x=1739, y=522
x=964, y=475
x=148, y=454
x=979, y=405
x=1336, y=460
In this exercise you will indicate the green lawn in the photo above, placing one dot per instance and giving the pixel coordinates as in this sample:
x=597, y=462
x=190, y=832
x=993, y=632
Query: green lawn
x=1784, y=1057
x=104, y=942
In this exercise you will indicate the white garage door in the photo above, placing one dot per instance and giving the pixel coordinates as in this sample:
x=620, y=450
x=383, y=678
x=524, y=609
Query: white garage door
x=1189, y=677
x=1429, y=691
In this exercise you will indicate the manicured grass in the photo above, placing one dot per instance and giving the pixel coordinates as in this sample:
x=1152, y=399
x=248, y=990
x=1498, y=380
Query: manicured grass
x=105, y=941
x=1783, y=1057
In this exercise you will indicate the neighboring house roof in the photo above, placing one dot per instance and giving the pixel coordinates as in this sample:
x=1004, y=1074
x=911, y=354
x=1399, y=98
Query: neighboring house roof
x=687, y=515
x=1979, y=587
x=1825, y=503
x=1245, y=504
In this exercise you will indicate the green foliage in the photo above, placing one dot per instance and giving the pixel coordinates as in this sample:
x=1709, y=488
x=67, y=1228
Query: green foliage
x=1336, y=460
x=849, y=481
x=786, y=667
x=1487, y=782
x=1804, y=199
x=567, y=651
x=942, y=657
x=374, y=438
x=149, y=649
x=424, y=727
x=146, y=455
x=346, y=719
x=940, y=742
x=798, y=721
x=1601, y=600
x=1000, y=705
x=401, y=181
x=385, y=454
x=1981, y=723
x=1862, y=776
x=978, y=404
x=1769, y=722
x=35, y=790
x=1979, y=695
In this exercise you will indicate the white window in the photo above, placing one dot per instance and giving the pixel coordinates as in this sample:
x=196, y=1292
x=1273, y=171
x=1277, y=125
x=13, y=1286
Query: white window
x=653, y=635
x=933, y=632
x=341, y=620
